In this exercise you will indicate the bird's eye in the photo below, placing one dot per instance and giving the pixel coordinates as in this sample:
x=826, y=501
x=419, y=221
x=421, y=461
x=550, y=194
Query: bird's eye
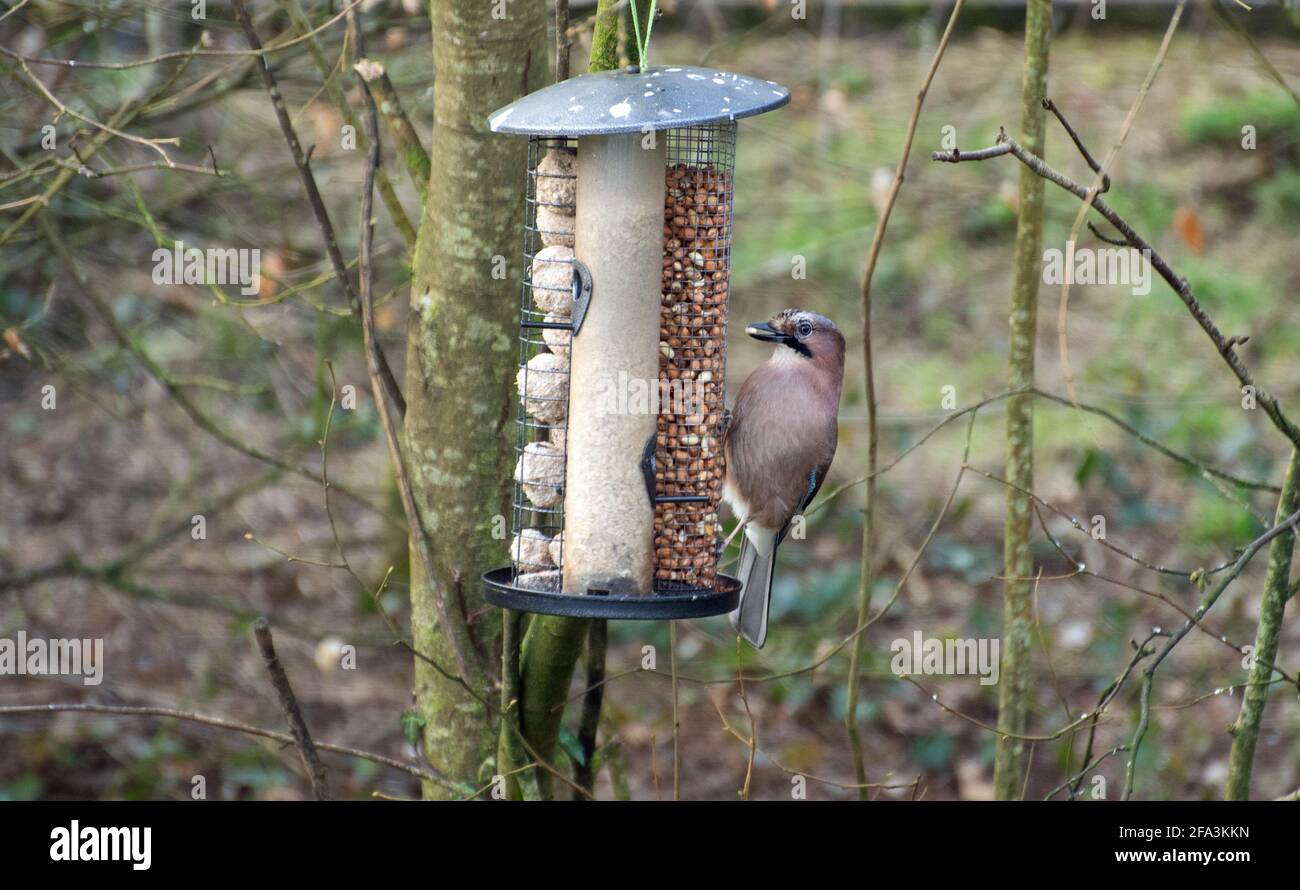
x=804, y=329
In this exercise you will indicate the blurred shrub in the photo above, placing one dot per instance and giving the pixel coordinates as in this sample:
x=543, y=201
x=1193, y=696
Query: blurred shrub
x=995, y=217
x=1279, y=196
x=1216, y=523
x=1272, y=113
x=1232, y=296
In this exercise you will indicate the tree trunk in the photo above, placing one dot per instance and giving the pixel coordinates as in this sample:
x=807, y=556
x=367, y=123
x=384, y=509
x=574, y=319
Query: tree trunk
x=604, y=37
x=1017, y=597
x=1277, y=589
x=461, y=355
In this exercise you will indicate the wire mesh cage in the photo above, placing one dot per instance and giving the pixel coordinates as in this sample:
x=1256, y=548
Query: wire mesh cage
x=689, y=460
x=545, y=334
x=683, y=462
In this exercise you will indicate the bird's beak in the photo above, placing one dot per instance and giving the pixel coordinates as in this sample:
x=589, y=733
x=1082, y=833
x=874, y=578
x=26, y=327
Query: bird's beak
x=761, y=330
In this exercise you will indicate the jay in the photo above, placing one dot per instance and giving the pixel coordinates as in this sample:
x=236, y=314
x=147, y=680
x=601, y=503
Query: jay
x=778, y=447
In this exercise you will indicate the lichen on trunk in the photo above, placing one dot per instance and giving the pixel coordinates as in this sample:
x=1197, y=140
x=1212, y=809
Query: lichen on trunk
x=461, y=353
x=1017, y=597
x=1277, y=590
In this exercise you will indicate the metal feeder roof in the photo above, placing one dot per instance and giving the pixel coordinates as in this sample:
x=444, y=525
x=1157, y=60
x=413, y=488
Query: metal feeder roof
x=663, y=97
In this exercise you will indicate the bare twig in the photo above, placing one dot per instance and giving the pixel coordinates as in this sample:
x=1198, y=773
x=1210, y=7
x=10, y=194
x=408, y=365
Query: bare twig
x=1266, y=400
x=753, y=726
x=19, y=5
x=335, y=93
x=1240, y=30
x=1140, y=651
x=91, y=173
x=1114, y=548
x=313, y=193
x=1082, y=570
x=428, y=775
x=1204, y=469
x=455, y=631
x=1101, y=181
x=1207, y=602
x=91, y=288
x=411, y=151
x=562, y=40
x=123, y=117
x=259, y=51
x=153, y=144
x=989, y=727
x=873, y=433
x=1076, y=780
x=292, y=713
x=751, y=743
x=1078, y=143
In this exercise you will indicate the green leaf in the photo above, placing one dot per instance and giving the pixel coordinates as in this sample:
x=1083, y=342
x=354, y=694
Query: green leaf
x=1087, y=467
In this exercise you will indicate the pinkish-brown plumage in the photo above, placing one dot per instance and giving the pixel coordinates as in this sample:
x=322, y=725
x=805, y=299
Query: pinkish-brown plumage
x=779, y=446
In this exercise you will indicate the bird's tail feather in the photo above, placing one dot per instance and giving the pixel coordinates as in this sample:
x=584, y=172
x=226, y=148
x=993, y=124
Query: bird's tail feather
x=750, y=616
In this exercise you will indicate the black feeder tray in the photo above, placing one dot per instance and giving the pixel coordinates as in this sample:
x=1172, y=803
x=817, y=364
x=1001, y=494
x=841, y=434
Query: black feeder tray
x=665, y=604
x=696, y=109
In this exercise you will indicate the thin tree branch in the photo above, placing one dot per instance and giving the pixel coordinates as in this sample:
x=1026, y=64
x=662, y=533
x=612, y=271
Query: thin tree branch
x=153, y=144
x=1078, y=143
x=1245, y=729
x=292, y=713
x=411, y=151
x=457, y=634
x=331, y=87
x=1240, y=30
x=90, y=287
x=429, y=775
x=1190, y=462
x=1222, y=343
x=1207, y=602
x=123, y=117
x=562, y=40
x=313, y=193
x=1101, y=181
x=873, y=433
x=259, y=51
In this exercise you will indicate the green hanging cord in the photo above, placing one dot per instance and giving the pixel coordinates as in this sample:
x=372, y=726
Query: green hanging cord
x=649, y=25
x=643, y=44
x=636, y=31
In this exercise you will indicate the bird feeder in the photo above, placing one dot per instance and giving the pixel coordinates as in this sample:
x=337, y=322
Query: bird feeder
x=622, y=345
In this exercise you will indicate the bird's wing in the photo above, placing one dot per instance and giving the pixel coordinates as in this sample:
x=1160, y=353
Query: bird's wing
x=815, y=479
